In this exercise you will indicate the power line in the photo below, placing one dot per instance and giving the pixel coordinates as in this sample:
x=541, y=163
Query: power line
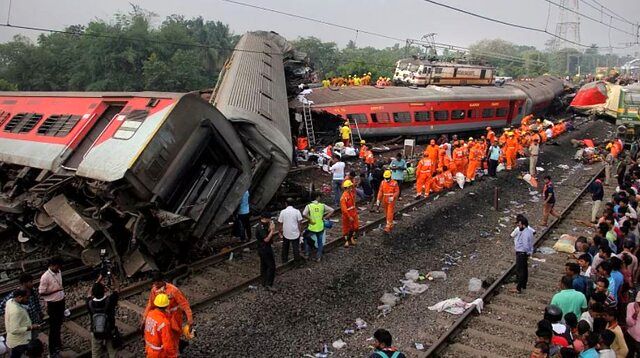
x=535, y=29
x=376, y=34
x=601, y=8
x=589, y=17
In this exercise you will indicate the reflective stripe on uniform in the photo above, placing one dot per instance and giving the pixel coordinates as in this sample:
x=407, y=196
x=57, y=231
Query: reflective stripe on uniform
x=152, y=346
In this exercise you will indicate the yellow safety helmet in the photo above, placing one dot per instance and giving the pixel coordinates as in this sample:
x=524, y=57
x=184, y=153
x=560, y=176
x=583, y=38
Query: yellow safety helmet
x=347, y=184
x=161, y=300
x=387, y=174
x=369, y=73
x=470, y=139
x=362, y=141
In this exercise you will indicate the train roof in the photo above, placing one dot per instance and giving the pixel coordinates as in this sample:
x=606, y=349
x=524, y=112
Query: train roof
x=330, y=97
x=43, y=129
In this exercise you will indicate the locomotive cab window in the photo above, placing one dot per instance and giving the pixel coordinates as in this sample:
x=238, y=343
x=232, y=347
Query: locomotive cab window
x=441, y=115
x=501, y=112
x=380, y=117
x=357, y=117
x=487, y=113
x=132, y=121
x=457, y=114
x=402, y=117
x=422, y=116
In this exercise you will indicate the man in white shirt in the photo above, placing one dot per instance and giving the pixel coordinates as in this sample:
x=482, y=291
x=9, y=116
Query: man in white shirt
x=289, y=227
x=52, y=292
x=337, y=171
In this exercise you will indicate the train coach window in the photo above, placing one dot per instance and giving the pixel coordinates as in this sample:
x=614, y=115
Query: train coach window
x=441, y=115
x=357, y=117
x=457, y=114
x=402, y=117
x=132, y=121
x=520, y=110
x=438, y=70
x=472, y=113
x=22, y=122
x=501, y=112
x=487, y=113
x=380, y=117
x=58, y=125
x=422, y=116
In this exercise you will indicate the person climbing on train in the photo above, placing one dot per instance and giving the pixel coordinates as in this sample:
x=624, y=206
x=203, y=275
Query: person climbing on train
x=424, y=171
x=158, y=334
x=178, y=306
x=458, y=159
x=511, y=150
x=362, y=152
x=388, y=196
x=475, y=159
x=350, y=223
x=432, y=151
x=345, y=133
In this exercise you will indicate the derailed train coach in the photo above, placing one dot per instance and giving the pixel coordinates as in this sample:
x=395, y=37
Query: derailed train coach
x=144, y=175
x=126, y=172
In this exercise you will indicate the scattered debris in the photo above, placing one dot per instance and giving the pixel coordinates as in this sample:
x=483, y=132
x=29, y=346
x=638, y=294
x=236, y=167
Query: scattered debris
x=566, y=244
x=538, y=259
x=339, y=344
x=360, y=323
x=435, y=275
x=419, y=346
x=563, y=166
x=475, y=284
x=412, y=275
x=540, y=169
x=456, y=306
x=546, y=250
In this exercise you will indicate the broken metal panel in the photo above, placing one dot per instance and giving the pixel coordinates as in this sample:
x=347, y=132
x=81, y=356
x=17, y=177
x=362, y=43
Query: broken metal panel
x=61, y=211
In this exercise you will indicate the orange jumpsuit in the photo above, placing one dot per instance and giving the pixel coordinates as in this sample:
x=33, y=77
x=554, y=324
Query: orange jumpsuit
x=350, y=223
x=526, y=120
x=491, y=136
x=442, y=153
x=178, y=304
x=438, y=183
x=448, y=179
x=543, y=136
x=503, y=139
x=465, y=157
x=158, y=335
x=535, y=136
x=388, y=195
x=511, y=151
x=424, y=170
x=432, y=153
x=475, y=159
x=458, y=159
x=363, y=151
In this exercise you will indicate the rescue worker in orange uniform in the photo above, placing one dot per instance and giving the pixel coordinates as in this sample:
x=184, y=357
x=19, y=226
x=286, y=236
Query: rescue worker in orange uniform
x=475, y=160
x=448, y=178
x=543, y=135
x=432, y=151
x=511, y=150
x=178, y=305
x=443, y=158
x=369, y=160
x=363, y=149
x=158, y=335
x=491, y=135
x=458, y=158
x=466, y=148
x=424, y=171
x=350, y=222
x=534, y=136
x=438, y=181
x=387, y=196
x=503, y=137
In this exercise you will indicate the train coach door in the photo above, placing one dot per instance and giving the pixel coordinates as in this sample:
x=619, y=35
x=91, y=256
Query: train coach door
x=73, y=161
x=512, y=107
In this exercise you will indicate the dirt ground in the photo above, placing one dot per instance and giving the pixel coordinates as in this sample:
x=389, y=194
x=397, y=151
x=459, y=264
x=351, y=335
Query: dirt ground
x=316, y=303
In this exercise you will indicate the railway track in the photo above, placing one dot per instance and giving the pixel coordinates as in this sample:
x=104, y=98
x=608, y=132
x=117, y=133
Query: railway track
x=506, y=327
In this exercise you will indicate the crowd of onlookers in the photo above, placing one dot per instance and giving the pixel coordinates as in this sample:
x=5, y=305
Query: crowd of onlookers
x=596, y=311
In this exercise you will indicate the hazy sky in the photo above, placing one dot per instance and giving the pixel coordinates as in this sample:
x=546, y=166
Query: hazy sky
x=398, y=18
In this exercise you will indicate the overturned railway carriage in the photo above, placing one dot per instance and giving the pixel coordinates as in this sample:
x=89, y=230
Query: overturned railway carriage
x=252, y=93
x=136, y=173
x=391, y=111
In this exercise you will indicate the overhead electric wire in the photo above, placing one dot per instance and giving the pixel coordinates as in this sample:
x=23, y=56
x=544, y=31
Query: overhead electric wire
x=589, y=17
x=372, y=33
x=535, y=29
x=601, y=8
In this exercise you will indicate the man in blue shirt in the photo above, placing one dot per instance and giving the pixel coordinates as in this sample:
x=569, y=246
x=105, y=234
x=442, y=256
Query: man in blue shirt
x=243, y=218
x=580, y=283
x=523, y=244
x=398, y=166
x=616, y=275
x=494, y=157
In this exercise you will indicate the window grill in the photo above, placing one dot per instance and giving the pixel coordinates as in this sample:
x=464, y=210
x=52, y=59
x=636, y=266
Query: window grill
x=58, y=125
x=22, y=122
